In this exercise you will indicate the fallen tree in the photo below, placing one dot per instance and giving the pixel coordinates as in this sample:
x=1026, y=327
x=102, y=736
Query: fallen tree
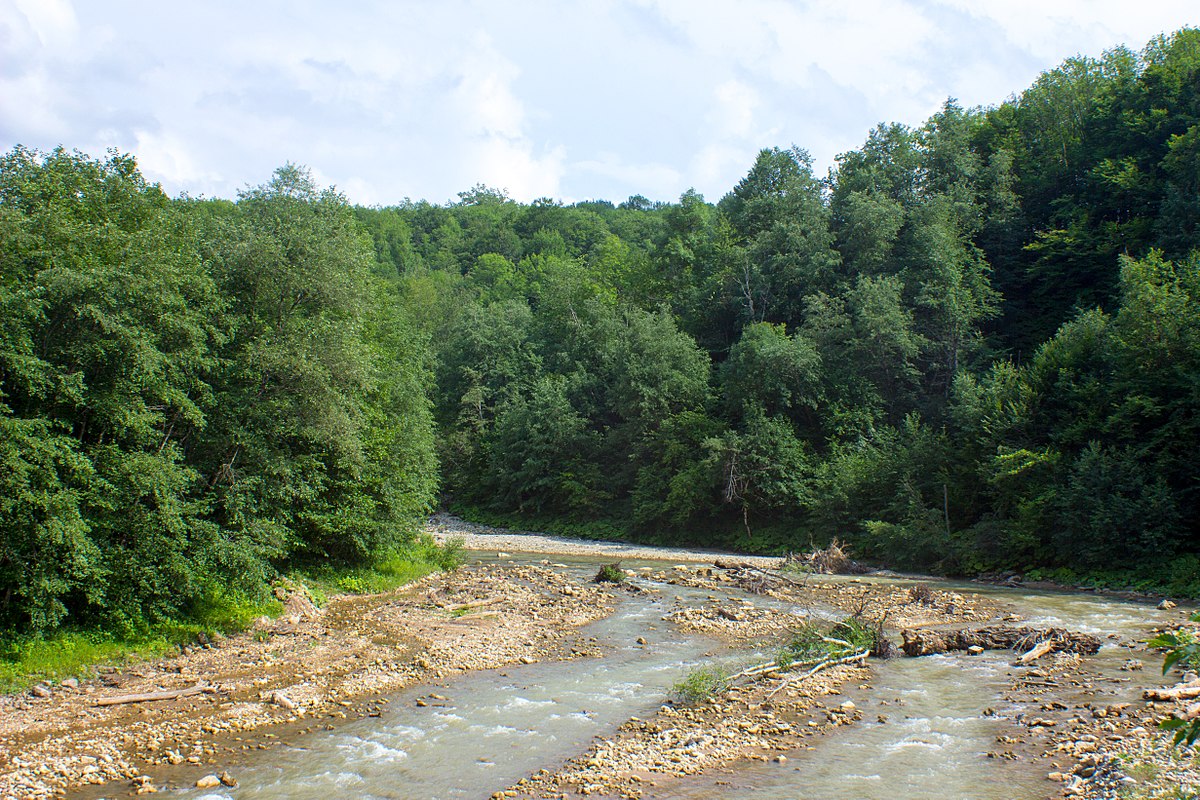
x=1032, y=642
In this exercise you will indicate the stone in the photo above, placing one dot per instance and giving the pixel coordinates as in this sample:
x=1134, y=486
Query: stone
x=974, y=650
x=71, y=683
x=40, y=691
x=227, y=780
x=642, y=640
x=208, y=782
x=1165, y=605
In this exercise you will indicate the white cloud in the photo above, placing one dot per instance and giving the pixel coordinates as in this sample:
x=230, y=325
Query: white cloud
x=52, y=21
x=168, y=158
x=407, y=98
x=656, y=180
x=1050, y=30
x=734, y=111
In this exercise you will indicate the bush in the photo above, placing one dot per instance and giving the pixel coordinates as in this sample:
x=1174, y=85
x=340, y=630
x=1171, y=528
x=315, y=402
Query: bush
x=700, y=685
x=611, y=573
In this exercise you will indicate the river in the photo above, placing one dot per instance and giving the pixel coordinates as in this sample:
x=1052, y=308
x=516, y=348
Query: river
x=485, y=730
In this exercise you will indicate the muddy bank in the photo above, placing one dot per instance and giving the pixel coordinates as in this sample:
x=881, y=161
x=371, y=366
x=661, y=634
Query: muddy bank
x=309, y=669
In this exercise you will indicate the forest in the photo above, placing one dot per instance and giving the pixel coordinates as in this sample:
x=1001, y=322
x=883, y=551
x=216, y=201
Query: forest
x=972, y=347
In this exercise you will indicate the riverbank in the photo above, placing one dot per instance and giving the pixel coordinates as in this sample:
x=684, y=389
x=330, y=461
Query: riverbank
x=304, y=671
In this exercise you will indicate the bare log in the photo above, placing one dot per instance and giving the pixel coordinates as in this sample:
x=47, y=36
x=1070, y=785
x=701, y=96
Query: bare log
x=464, y=607
x=1037, y=652
x=1184, y=692
x=148, y=697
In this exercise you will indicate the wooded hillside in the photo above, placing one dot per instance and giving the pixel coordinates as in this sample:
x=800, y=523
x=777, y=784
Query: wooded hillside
x=973, y=346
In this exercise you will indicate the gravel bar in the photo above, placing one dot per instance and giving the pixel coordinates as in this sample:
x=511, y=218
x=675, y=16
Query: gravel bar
x=482, y=537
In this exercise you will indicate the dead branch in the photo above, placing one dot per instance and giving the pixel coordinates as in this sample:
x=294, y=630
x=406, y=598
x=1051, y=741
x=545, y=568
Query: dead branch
x=199, y=688
x=832, y=662
x=1037, y=652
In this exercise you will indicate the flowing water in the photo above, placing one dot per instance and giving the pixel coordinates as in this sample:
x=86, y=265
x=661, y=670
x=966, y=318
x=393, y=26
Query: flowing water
x=495, y=727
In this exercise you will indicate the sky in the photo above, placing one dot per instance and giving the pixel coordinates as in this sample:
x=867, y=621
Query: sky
x=567, y=99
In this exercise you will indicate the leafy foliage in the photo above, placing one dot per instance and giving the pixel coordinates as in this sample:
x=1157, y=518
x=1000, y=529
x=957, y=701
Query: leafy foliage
x=192, y=394
x=1182, y=647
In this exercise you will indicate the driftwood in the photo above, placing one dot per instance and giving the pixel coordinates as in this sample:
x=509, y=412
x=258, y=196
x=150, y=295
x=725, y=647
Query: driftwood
x=832, y=560
x=199, y=688
x=999, y=637
x=1043, y=647
x=832, y=662
x=755, y=579
x=817, y=665
x=464, y=607
x=1184, y=691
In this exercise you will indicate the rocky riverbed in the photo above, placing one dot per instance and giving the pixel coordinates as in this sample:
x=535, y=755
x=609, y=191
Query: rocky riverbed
x=757, y=722
x=1088, y=730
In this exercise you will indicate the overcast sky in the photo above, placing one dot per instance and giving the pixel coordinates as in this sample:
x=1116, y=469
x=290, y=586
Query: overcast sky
x=571, y=100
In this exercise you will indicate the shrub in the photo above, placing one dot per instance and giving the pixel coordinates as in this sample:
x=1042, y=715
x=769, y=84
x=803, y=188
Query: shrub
x=700, y=685
x=610, y=573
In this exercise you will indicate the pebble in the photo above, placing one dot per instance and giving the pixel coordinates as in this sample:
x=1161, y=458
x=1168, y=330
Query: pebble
x=208, y=782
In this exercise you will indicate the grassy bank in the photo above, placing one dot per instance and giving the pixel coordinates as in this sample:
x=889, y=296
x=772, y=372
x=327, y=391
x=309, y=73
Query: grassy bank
x=26, y=660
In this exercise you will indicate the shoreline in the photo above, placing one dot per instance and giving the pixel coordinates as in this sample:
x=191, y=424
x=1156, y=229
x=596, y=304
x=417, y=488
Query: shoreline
x=314, y=669
x=476, y=537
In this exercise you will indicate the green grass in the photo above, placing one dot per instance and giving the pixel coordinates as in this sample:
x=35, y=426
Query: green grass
x=27, y=660
x=24, y=662
x=389, y=572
